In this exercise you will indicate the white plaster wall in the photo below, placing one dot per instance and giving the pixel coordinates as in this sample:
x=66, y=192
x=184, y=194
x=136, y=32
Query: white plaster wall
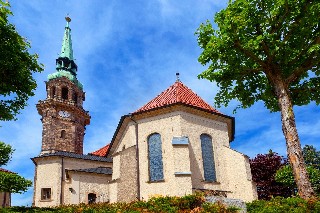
x=80, y=184
x=94, y=183
x=116, y=167
x=168, y=126
x=48, y=176
x=113, y=191
x=128, y=138
x=193, y=126
x=181, y=158
x=239, y=175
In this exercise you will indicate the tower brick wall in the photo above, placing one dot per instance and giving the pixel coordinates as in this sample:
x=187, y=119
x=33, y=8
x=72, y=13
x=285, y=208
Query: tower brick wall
x=63, y=117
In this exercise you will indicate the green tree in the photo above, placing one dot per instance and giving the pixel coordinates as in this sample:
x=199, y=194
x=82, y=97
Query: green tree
x=267, y=50
x=5, y=153
x=11, y=182
x=312, y=159
x=16, y=68
x=311, y=156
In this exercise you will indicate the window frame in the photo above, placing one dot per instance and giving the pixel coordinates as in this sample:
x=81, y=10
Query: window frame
x=45, y=198
x=149, y=159
x=212, y=160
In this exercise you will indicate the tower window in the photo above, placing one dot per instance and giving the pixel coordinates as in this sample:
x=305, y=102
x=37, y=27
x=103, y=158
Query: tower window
x=53, y=92
x=64, y=93
x=63, y=134
x=92, y=198
x=45, y=193
x=75, y=97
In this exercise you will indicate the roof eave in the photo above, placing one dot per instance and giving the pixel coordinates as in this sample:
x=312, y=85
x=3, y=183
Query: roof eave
x=232, y=127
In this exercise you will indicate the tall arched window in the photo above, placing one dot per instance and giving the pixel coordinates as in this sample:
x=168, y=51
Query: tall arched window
x=208, y=158
x=155, y=157
x=64, y=93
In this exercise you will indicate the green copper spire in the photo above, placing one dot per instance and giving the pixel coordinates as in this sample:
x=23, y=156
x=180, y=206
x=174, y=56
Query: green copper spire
x=65, y=65
x=66, y=50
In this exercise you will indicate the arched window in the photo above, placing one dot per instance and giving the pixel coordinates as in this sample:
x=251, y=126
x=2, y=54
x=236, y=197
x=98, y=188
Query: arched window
x=75, y=97
x=64, y=93
x=53, y=92
x=208, y=158
x=155, y=157
x=92, y=198
x=63, y=134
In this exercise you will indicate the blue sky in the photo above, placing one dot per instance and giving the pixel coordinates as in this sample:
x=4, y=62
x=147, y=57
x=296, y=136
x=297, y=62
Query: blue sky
x=128, y=52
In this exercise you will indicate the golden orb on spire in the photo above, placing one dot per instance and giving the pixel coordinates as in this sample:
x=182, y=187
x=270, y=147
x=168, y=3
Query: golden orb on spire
x=68, y=19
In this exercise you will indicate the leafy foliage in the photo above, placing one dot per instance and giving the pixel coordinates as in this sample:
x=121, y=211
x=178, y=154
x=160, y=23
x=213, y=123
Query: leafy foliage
x=5, y=153
x=267, y=51
x=11, y=182
x=263, y=169
x=312, y=159
x=256, y=40
x=284, y=205
x=285, y=176
x=16, y=68
x=311, y=156
x=189, y=203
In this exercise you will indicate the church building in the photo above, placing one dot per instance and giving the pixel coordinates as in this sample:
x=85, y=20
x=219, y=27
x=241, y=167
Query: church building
x=174, y=145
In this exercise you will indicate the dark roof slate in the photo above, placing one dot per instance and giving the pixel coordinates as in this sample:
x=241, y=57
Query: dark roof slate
x=98, y=170
x=78, y=156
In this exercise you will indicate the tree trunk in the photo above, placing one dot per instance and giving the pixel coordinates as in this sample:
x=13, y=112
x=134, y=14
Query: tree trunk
x=292, y=141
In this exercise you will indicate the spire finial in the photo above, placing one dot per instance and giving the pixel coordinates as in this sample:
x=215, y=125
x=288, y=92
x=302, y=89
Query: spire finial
x=178, y=77
x=68, y=19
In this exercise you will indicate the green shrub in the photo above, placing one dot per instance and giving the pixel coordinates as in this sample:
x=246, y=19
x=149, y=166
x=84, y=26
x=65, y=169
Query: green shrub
x=189, y=203
x=279, y=205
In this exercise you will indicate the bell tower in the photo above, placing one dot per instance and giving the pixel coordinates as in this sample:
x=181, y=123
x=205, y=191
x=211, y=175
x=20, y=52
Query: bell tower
x=63, y=116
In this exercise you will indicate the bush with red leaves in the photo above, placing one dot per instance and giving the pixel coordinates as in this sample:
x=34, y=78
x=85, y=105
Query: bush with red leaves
x=263, y=169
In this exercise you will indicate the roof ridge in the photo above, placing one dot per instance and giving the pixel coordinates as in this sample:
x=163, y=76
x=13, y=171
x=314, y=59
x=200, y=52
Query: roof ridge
x=177, y=93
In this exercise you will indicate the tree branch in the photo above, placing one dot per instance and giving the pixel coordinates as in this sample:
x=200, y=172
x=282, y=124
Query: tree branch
x=249, y=53
x=305, y=66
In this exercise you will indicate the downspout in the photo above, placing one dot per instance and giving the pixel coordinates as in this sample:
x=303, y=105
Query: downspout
x=34, y=182
x=61, y=186
x=137, y=156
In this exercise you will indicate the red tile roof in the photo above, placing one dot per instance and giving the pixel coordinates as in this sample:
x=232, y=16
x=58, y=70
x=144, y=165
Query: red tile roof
x=177, y=93
x=102, y=151
x=4, y=170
